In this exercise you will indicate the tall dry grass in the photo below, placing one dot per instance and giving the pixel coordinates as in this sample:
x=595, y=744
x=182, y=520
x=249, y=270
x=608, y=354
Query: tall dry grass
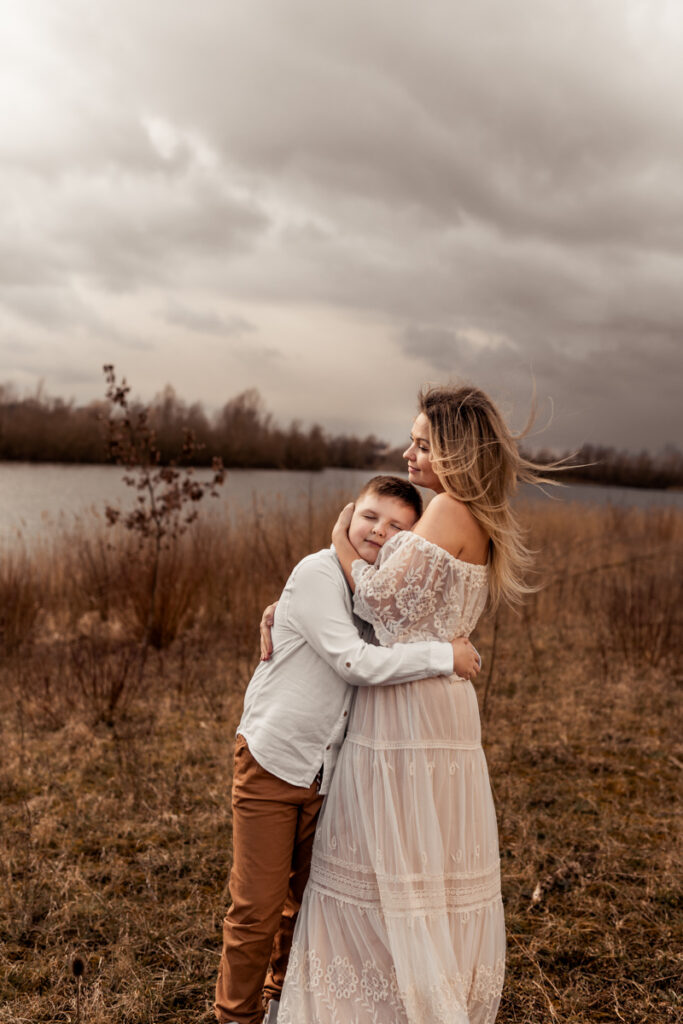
x=20, y=599
x=216, y=576
x=114, y=782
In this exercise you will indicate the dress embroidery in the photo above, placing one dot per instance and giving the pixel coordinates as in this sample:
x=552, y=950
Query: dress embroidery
x=417, y=591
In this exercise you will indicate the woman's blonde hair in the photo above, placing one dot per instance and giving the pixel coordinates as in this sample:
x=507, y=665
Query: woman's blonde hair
x=477, y=460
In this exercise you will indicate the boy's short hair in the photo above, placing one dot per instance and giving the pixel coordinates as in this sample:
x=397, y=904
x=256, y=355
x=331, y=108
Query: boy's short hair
x=394, y=487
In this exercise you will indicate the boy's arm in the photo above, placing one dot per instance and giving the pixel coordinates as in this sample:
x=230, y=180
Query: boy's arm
x=318, y=611
x=463, y=648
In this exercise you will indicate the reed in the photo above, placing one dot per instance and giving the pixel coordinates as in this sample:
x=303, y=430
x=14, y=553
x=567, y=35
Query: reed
x=114, y=813
x=19, y=600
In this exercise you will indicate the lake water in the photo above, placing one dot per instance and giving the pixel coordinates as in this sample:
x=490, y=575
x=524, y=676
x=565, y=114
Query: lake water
x=36, y=498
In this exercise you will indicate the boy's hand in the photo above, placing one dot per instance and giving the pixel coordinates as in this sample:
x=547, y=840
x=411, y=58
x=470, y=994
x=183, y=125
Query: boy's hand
x=266, y=624
x=466, y=661
x=340, y=530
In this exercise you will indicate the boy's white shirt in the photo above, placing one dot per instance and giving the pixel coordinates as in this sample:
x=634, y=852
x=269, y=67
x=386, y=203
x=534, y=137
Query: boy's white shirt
x=296, y=706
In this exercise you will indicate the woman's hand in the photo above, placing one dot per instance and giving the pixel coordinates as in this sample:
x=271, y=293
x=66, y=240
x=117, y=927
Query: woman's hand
x=466, y=661
x=340, y=530
x=265, y=627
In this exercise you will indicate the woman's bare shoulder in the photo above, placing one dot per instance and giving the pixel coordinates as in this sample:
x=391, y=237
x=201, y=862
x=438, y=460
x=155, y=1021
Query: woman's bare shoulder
x=450, y=524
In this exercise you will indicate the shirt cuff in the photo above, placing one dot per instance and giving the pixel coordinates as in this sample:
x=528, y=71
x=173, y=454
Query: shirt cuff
x=442, y=658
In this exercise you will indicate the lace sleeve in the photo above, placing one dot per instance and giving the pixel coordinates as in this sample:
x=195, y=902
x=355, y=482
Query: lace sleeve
x=415, y=590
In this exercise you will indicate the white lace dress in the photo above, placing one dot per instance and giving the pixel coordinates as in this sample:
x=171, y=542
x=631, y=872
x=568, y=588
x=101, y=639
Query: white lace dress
x=402, y=920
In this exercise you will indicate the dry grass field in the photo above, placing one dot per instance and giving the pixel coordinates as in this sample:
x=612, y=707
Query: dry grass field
x=115, y=765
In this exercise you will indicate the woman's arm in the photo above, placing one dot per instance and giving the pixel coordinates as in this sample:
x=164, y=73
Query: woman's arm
x=346, y=553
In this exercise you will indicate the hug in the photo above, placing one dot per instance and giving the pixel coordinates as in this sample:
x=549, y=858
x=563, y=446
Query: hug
x=365, y=883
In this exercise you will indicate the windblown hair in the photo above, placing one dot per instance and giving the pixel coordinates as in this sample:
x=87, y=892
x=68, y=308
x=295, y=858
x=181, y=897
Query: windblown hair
x=394, y=487
x=478, y=461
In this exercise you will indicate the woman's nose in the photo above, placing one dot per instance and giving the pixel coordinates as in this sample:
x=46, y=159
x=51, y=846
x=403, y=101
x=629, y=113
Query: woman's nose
x=408, y=452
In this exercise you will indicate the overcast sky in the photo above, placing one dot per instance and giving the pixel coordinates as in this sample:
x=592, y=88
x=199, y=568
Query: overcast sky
x=335, y=202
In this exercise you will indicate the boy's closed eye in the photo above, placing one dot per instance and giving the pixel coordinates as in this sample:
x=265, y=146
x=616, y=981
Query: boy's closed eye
x=373, y=518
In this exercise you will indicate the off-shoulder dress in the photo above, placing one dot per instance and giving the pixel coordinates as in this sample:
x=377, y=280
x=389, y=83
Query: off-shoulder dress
x=402, y=919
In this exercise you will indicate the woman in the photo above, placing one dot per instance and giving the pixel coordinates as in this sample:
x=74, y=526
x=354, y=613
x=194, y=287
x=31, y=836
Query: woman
x=402, y=919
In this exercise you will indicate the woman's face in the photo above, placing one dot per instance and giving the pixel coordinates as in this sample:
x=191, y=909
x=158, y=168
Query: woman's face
x=417, y=456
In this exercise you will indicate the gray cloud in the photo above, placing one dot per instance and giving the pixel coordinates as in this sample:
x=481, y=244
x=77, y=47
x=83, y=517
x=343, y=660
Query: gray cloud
x=553, y=130
x=207, y=322
x=626, y=395
x=496, y=188
x=62, y=310
x=124, y=231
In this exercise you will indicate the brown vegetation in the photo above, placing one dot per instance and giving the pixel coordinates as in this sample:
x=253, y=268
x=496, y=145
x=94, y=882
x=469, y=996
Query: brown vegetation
x=114, y=787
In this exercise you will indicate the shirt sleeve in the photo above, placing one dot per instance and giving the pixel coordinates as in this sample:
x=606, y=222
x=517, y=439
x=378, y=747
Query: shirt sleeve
x=318, y=611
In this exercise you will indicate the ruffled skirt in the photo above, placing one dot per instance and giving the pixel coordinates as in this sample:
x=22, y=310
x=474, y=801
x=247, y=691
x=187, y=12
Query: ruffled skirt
x=402, y=920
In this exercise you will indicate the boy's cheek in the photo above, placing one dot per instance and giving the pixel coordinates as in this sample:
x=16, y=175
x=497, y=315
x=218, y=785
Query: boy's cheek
x=368, y=552
x=356, y=535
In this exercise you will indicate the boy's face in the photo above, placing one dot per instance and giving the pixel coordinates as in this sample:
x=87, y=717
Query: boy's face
x=377, y=517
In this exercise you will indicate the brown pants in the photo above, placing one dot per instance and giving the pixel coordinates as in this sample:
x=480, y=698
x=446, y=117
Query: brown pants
x=273, y=825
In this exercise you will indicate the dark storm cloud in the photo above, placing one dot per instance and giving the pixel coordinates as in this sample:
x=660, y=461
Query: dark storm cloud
x=547, y=127
x=626, y=395
x=544, y=125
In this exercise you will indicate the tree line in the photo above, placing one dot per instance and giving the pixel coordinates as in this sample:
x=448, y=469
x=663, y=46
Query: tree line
x=40, y=428
x=599, y=464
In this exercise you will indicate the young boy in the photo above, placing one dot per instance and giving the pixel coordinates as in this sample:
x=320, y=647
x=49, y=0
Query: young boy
x=296, y=708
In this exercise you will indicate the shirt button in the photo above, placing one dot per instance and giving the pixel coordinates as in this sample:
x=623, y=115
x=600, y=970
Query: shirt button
x=345, y=714
x=348, y=664
x=328, y=746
